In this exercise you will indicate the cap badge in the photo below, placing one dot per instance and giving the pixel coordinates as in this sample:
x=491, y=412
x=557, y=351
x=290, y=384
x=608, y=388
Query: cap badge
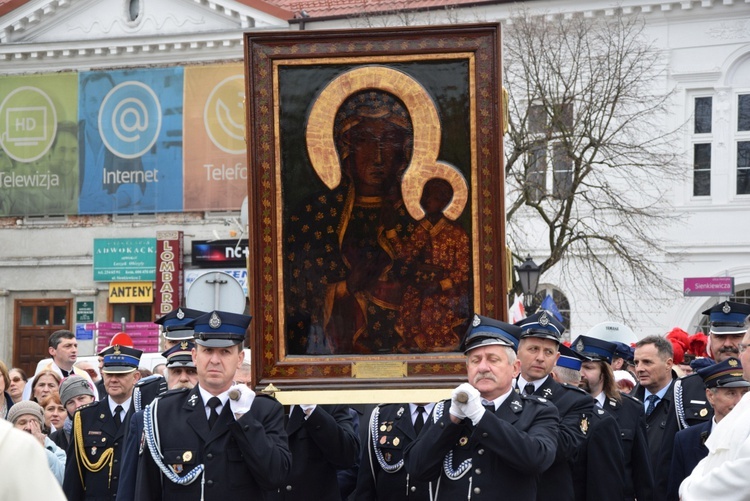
x=579, y=345
x=732, y=362
x=476, y=321
x=726, y=309
x=183, y=345
x=215, y=321
x=544, y=320
x=180, y=314
x=116, y=349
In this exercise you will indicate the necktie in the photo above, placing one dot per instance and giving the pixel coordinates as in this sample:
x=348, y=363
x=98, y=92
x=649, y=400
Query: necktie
x=116, y=416
x=651, y=404
x=213, y=403
x=528, y=389
x=490, y=407
x=419, y=422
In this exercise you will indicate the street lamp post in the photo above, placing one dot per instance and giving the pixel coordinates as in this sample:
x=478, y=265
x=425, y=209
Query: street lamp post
x=528, y=274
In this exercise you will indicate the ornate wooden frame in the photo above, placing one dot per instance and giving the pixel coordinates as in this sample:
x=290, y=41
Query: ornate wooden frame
x=272, y=57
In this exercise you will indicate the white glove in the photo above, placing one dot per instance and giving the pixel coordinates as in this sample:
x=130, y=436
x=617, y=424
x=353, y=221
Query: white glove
x=307, y=409
x=240, y=399
x=457, y=406
x=472, y=408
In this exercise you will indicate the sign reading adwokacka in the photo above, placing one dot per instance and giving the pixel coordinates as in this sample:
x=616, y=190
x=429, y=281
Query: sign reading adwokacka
x=124, y=259
x=708, y=286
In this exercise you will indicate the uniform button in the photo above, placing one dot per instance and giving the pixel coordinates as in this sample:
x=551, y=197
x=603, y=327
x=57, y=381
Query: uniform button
x=210, y=483
x=484, y=434
x=116, y=444
x=246, y=427
x=442, y=425
x=478, y=471
x=477, y=490
x=116, y=461
x=210, y=456
x=288, y=487
x=480, y=451
x=413, y=489
x=114, y=478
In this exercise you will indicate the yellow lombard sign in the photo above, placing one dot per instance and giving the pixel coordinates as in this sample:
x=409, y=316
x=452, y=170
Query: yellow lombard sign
x=131, y=292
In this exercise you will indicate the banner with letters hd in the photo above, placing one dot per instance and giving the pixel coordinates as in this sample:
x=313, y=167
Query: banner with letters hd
x=38, y=145
x=215, y=149
x=130, y=149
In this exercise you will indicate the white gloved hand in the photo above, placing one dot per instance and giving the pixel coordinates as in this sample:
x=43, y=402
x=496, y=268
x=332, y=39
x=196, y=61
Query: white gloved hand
x=457, y=401
x=473, y=408
x=240, y=399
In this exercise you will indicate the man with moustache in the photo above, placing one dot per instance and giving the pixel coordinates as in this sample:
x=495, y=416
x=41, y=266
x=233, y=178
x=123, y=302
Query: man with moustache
x=598, y=380
x=538, y=352
x=723, y=473
x=725, y=334
x=487, y=439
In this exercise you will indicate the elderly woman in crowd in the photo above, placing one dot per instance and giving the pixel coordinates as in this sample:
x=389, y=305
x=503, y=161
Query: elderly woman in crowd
x=54, y=412
x=29, y=417
x=18, y=381
x=44, y=383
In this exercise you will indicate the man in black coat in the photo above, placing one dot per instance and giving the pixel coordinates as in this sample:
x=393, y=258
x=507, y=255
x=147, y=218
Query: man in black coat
x=486, y=441
x=322, y=440
x=653, y=367
x=538, y=351
x=382, y=475
x=216, y=441
x=597, y=379
x=727, y=328
x=99, y=431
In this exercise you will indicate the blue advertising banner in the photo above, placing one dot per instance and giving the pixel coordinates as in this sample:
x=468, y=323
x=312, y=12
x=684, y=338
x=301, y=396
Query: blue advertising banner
x=130, y=141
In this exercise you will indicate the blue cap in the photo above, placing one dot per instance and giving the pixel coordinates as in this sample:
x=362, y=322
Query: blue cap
x=220, y=329
x=569, y=359
x=542, y=324
x=485, y=331
x=175, y=323
x=699, y=363
x=121, y=360
x=726, y=374
x=594, y=348
x=728, y=318
x=180, y=355
x=625, y=351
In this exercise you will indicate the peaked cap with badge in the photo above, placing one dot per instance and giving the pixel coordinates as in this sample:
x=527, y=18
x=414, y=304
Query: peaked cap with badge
x=175, y=323
x=121, y=360
x=485, y=331
x=593, y=348
x=220, y=329
x=180, y=355
x=726, y=374
x=728, y=318
x=541, y=324
x=569, y=358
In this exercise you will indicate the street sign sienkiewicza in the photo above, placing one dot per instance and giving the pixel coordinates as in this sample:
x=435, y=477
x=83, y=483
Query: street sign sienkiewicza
x=708, y=286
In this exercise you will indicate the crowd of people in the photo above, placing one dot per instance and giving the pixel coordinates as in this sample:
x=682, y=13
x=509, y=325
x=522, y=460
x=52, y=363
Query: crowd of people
x=535, y=420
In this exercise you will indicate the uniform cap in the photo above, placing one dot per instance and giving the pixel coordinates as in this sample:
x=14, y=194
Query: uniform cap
x=541, y=324
x=220, y=329
x=485, y=331
x=625, y=351
x=180, y=355
x=121, y=360
x=728, y=318
x=593, y=348
x=569, y=358
x=175, y=324
x=726, y=374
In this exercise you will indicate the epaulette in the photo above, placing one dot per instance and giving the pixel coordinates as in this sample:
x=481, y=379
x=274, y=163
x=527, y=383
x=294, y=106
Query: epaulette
x=172, y=393
x=571, y=387
x=147, y=389
x=631, y=397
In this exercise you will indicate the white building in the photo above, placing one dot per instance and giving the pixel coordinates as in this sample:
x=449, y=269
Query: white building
x=47, y=261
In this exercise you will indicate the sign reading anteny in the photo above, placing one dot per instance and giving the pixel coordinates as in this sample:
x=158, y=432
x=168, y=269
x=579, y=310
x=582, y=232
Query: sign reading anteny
x=708, y=286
